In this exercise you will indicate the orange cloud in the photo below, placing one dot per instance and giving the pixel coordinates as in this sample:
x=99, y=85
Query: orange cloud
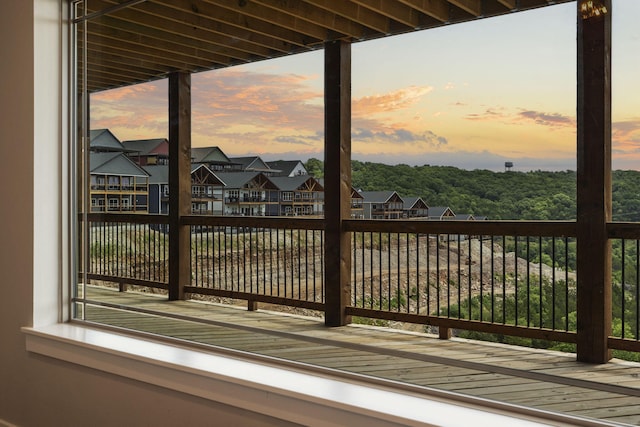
x=256, y=98
x=393, y=101
x=128, y=92
x=625, y=136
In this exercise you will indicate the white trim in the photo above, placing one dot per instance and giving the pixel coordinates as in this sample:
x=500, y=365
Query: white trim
x=284, y=393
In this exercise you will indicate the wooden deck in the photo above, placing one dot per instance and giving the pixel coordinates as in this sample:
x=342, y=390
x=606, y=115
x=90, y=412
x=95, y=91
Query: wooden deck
x=545, y=380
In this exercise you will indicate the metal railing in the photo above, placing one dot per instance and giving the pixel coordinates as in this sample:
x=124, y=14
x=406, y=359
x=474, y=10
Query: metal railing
x=268, y=259
x=625, y=267
x=510, y=278
x=128, y=249
x=513, y=278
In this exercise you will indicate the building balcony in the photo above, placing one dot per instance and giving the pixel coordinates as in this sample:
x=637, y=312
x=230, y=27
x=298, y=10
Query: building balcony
x=255, y=199
x=472, y=269
x=491, y=287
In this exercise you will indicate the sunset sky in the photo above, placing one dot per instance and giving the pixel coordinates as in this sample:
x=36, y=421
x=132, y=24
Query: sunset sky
x=470, y=95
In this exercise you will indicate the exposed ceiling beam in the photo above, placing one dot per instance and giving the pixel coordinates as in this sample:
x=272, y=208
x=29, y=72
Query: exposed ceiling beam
x=510, y=4
x=474, y=7
x=398, y=12
x=354, y=12
x=306, y=11
x=437, y=9
x=135, y=41
x=257, y=11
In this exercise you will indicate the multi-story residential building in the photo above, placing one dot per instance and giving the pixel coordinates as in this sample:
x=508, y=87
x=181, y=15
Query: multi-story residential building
x=382, y=205
x=214, y=158
x=148, y=151
x=117, y=183
x=247, y=193
x=357, y=204
x=252, y=164
x=357, y=201
x=297, y=196
x=103, y=140
x=414, y=207
x=441, y=212
x=206, y=190
x=288, y=168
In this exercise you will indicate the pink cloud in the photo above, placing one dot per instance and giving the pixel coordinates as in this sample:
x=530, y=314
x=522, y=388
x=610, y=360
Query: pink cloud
x=244, y=111
x=256, y=98
x=502, y=115
x=625, y=136
x=393, y=101
x=547, y=119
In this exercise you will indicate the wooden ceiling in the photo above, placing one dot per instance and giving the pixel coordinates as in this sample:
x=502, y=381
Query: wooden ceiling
x=134, y=41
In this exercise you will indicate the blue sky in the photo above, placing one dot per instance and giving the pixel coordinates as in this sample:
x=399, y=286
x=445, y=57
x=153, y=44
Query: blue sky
x=470, y=95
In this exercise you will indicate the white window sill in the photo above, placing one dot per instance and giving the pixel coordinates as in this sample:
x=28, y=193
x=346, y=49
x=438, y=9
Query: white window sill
x=295, y=396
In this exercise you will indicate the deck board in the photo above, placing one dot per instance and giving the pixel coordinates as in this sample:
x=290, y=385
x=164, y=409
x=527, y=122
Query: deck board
x=546, y=380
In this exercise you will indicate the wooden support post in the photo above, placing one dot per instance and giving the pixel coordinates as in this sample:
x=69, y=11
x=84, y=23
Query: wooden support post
x=594, y=185
x=444, y=333
x=337, y=180
x=179, y=183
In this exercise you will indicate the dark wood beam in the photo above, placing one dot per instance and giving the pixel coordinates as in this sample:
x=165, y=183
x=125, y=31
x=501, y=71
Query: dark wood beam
x=337, y=180
x=308, y=12
x=594, y=186
x=398, y=12
x=179, y=183
x=474, y=7
x=355, y=13
x=436, y=9
x=276, y=20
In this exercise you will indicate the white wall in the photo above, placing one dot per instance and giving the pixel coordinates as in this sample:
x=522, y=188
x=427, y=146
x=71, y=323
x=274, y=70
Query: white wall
x=35, y=390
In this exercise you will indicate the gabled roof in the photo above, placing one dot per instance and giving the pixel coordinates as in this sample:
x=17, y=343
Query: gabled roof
x=251, y=163
x=114, y=164
x=292, y=183
x=242, y=179
x=379, y=196
x=147, y=146
x=463, y=217
x=211, y=155
x=440, y=211
x=285, y=167
x=158, y=174
x=204, y=176
x=103, y=140
x=414, y=203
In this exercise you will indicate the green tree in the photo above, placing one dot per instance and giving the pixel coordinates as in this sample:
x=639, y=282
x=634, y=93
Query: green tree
x=315, y=167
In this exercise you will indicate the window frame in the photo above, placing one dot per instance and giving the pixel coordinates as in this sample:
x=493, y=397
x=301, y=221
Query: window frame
x=297, y=394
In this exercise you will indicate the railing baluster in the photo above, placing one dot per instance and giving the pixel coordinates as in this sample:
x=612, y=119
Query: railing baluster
x=516, y=299
x=622, y=288
x=481, y=262
x=492, y=282
x=637, y=314
x=459, y=286
x=448, y=275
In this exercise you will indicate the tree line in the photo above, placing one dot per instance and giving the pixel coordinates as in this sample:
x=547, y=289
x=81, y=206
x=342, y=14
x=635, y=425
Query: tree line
x=509, y=195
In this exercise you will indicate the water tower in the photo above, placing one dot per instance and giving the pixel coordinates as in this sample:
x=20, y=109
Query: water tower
x=508, y=166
